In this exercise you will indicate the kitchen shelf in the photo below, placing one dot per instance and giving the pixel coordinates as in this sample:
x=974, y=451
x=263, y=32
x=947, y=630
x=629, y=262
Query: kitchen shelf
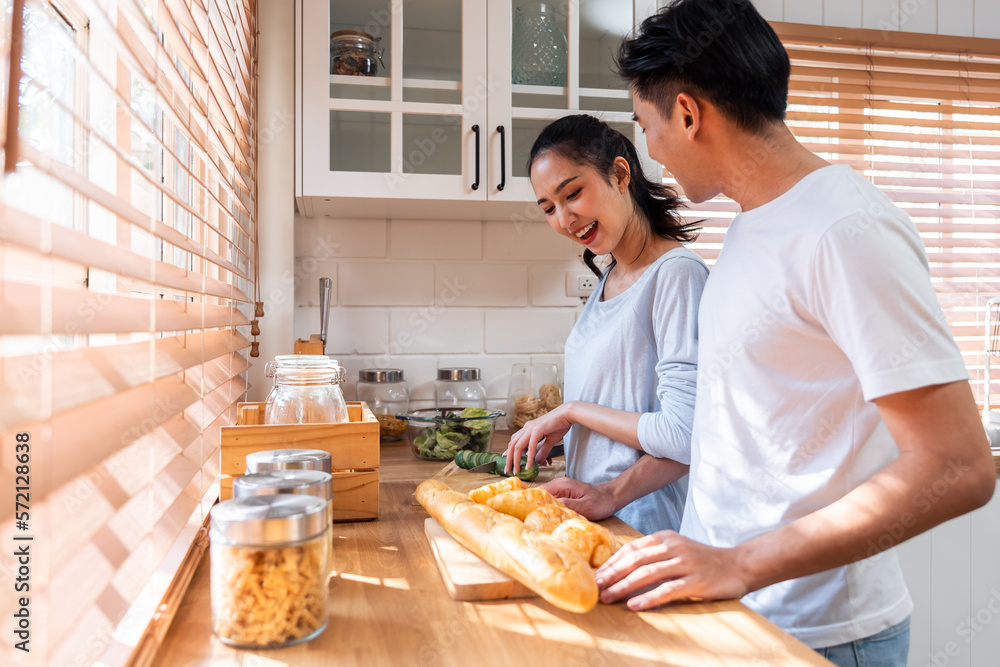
x=384, y=82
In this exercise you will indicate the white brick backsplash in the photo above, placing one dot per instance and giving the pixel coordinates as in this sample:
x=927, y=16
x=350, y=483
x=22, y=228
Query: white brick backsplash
x=436, y=330
x=804, y=11
x=772, y=10
x=547, y=284
x=919, y=16
x=956, y=17
x=418, y=372
x=987, y=15
x=308, y=271
x=351, y=330
x=494, y=370
x=527, y=240
x=528, y=331
x=424, y=239
x=880, y=14
x=319, y=237
x=842, y=13
x=481, y=284
x=386, y=283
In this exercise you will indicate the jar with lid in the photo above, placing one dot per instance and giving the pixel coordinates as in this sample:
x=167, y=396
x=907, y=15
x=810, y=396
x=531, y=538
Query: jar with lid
x=459, y=388
x=386, y=393
x=270, y=561
x=309, y=482
x=306, y=391
x=288, y=459
x=354, y=53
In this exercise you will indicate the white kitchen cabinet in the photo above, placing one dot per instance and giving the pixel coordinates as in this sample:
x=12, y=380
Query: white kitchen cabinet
x=444, y=119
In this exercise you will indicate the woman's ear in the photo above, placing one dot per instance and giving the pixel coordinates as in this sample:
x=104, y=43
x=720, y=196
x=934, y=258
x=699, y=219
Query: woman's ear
x=622, y=174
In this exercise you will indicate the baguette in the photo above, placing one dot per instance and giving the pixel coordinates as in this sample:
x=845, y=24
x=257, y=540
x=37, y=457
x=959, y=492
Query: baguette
x=553, y=571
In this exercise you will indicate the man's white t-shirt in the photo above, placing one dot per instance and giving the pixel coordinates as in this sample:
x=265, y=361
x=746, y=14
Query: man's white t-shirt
x=819, y=302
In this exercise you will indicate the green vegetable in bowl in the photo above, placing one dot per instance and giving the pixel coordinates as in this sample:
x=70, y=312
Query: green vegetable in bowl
x=455, y=433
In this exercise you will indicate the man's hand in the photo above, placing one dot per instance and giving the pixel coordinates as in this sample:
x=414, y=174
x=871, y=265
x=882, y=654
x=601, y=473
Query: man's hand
x=667, y=567
x=594, y=501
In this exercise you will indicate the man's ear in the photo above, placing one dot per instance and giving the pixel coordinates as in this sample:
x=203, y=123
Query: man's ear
x=689, y=112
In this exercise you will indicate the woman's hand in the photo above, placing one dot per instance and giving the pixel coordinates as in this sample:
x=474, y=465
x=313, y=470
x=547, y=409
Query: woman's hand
x=667, y=567
x=538, y=437
x=594, y=501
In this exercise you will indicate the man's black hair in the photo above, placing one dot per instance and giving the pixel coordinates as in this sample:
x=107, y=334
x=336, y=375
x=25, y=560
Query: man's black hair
x=721, y=50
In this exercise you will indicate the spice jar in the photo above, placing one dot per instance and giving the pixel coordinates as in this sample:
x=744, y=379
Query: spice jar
x=288, y=459
x=459, y=387
x=354, y=53
x=270, y=562
x=306, y=391
x=307, y=482
x=386, y=394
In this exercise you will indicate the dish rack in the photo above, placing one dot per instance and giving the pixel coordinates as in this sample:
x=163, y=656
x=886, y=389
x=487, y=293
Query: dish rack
x=991, y=417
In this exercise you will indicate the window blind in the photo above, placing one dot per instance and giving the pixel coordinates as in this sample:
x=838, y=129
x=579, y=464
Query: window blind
x=127, y=244
x=919, y=116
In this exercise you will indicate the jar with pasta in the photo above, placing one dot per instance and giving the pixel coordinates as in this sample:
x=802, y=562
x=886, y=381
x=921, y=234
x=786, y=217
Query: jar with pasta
x=270, y=562
x=385, y=392
x=534, y=391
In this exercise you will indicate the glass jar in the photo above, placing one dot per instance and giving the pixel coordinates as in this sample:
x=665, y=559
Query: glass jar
x=309, y=482
x=354, y=53
x=386, y=393
x=288, y=459
x=538, y=46
x=459, y=388
x=306, y=391
x=533, y=391
x=270, y=562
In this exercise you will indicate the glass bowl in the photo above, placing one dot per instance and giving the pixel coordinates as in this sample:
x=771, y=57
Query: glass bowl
x=437, y=434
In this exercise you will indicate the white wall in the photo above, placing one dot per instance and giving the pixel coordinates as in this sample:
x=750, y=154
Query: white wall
x=417, y=294
x=966, y=18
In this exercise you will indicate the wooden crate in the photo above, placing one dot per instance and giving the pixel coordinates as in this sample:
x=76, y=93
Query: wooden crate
x=312, y=346
x=353, y=447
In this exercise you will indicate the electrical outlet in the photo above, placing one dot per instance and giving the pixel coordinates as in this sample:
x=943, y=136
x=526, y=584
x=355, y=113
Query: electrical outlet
x=580, y=284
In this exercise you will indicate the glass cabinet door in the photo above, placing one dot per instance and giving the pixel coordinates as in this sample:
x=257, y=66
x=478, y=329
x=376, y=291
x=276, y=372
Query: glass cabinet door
x=388, y=98
x=555, y=58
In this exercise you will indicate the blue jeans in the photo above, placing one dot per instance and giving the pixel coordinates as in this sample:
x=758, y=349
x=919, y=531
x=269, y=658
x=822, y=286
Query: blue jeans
x=888, y=648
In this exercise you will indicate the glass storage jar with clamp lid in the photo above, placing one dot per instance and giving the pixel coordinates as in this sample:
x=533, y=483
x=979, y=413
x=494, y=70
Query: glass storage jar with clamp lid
x=386, y=393
x=459, y=388
x=306, y=391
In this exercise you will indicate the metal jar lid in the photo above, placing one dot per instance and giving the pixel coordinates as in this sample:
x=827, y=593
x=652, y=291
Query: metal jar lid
x=309, y=482
x=269, y=520
x=380, y=375
x=288, y=459
x=458, y=374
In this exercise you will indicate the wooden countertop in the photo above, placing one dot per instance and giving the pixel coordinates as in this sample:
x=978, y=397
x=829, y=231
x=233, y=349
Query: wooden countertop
x=388, y=606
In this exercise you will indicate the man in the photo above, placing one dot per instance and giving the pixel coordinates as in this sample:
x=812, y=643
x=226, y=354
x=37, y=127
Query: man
x=833, y=415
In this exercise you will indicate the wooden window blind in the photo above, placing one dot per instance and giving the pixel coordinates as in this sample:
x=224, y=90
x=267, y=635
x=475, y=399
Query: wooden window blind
x=919, y=116
x=127, y=263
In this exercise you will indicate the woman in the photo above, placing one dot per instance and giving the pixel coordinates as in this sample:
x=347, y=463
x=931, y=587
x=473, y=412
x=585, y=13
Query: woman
x=630, y=361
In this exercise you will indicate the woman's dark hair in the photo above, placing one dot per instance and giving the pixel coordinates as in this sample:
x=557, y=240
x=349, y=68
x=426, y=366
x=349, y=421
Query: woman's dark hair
x=591, y=142
x=722, y=50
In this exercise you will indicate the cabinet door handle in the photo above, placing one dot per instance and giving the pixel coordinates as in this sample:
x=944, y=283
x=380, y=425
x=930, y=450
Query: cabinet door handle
x=503, y=157
x=475, y=128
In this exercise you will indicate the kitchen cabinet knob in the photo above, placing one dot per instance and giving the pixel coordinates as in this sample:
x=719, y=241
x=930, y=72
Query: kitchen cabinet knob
x=475, y=128
x=503, y=157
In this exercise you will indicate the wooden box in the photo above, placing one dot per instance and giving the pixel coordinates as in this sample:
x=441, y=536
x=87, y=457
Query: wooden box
x=353, y=448
x=312, y=346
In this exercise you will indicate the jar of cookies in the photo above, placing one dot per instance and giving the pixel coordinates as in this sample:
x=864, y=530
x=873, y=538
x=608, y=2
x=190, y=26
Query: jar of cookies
x=534, y=390
x=385, y=392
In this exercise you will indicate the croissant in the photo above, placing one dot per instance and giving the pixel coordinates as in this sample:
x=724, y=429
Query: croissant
x=484, y=493
x=547, y=517
x=522, y=502
x=593, y=543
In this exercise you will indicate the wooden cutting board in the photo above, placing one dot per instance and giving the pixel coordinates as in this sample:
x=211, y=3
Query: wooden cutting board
x=466, y=575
